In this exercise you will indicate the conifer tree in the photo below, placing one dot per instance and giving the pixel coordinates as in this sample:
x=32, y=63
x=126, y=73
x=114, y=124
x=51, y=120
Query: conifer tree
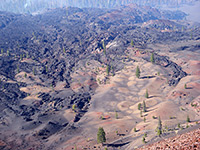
x=140, y=113
x=73, y=107
x=107, y=69
x=179, y=125
x=101, y=135
x=159, y=128
x=188, y=118
x=147, y=94
x=104, y=47
x=132, y=43
x=185, y=86
x=139, y=106
x=2, y=51
x=144, y=119
x=18, y=69
x=33, y=71
x=64, y=50
x=116, y=115
x=144, y=107
x=8, y=52
x=137, y=73
x=135, y=130
x=143, y=139
x=152, y=58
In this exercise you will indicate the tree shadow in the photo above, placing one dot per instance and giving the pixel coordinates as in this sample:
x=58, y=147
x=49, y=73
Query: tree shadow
x=144, y=115
x=152, y=96
x=120, y=134
x=147, y=77
x=152, y=109
x=189, y=88
x=117, y=145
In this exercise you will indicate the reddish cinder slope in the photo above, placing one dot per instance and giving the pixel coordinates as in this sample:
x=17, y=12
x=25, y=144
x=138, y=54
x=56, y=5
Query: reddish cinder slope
x=190, y=140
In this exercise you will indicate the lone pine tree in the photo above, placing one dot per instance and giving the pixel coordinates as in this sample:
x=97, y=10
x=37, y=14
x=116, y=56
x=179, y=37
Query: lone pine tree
x=132, y=43
x=139, y=106
x=101, y=135
x=104, y=47
x=185, y=86
x=188, y=118
x=107, y=69
x=159, y=128
x=137, y=73
x=152, y=58
x=147, y=94
x=144, y=107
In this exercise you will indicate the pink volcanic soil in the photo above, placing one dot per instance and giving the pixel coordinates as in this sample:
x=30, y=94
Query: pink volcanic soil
x=194, y=67
x=194, y=85
x=177, y=94
x=165, y=110
x=78, y=141
x=196, y=104
x=187, y=141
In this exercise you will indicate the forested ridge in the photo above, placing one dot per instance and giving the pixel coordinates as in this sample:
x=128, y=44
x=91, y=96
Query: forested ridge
x=30, y=6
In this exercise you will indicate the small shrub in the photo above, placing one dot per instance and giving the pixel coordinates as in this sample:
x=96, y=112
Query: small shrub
x=182, y=109
x=185, y=86
x=154, y=117
x=143, y=139
x=147, y=94
x=172, y=117
x=145, y=134
x=144, y=107
x=116, y=115
x=159, y=132
x=74, y=107
x=135, y=130
x=139, y=106
x=188, y=118
x=141, y=113
x=102, y=118
x=144, y=119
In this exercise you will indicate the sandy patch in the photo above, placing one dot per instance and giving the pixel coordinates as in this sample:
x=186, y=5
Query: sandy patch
x=124, y=105
x=35, y=89
x=123, y=90
x=130, y=83
x=32, y=97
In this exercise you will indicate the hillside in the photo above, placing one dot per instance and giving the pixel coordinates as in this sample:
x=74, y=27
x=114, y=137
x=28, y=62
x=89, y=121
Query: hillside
x=33, y=6
x=190, y=140
x=66, y=72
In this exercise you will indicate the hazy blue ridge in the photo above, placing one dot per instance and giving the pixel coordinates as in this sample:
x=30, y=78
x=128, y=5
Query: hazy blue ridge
x=31, y=6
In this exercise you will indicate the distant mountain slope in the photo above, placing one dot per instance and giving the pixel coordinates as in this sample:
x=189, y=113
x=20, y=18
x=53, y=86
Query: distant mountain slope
x=30, y=6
